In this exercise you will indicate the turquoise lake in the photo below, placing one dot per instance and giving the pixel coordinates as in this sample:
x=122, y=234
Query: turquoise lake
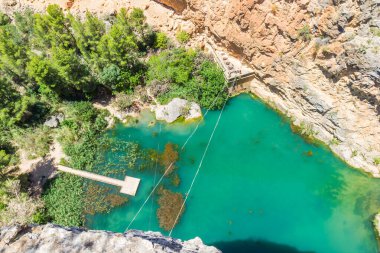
x=259, y=189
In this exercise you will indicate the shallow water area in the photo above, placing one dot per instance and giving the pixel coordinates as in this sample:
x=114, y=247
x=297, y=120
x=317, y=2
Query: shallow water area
x=261, y=188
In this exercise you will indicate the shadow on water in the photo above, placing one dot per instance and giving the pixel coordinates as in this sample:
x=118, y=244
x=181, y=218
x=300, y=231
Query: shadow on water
x=255, y=246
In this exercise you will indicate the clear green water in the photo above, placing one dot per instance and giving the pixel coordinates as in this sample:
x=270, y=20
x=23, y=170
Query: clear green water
x=257, y=191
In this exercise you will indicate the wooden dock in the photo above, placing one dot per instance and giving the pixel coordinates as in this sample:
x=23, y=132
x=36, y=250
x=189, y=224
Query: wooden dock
x=128, y=186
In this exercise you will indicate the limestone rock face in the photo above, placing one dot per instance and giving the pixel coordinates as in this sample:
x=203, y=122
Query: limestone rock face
x=327, y=77
x=177, y=5
x=176, y=108
x=53, y=238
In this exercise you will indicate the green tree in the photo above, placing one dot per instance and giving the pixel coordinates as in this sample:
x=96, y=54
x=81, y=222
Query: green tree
x=13, y=54
x=53, y=29
x=88, y=35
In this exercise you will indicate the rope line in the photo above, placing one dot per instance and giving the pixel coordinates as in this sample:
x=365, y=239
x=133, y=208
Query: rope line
x=155, y=177
x=199, y=166
x=171, y=164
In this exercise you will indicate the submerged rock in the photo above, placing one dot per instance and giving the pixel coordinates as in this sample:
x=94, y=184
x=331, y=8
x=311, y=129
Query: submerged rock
x=53, y=238
x=176, y=108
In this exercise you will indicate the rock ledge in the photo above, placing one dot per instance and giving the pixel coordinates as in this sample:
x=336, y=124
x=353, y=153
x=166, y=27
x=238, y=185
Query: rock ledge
x=54, y=238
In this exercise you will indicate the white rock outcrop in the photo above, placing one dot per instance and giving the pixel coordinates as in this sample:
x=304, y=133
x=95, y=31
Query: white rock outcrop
x=52, y=238
x=176, y=108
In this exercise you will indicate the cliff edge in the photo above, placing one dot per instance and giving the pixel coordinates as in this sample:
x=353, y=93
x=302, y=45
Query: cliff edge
x=53, y=238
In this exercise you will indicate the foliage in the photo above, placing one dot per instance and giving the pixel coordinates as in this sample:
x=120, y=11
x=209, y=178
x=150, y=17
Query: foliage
x=182, y=37
x=4, y=19
x=376, y=160
x=122, y=101
x=16, y=207
x=81, y=134
x=305, y=33
x=64, y=200
x=162, y=41
x=5, y=158
x=58, y=53
x=189, y=75
x=334, y=141
x=35, y=142
x=169, y=206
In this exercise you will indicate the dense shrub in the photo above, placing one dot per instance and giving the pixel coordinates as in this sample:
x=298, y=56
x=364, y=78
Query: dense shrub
x=162, y=41
x=189, y=75
x=64, y=200
x=182, y=37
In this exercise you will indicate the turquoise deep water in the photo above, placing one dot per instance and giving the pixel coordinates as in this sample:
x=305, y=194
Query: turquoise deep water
x=259, y=190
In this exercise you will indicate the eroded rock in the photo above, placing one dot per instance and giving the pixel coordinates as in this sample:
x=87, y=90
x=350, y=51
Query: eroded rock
x=176, y=108
x=53, y=238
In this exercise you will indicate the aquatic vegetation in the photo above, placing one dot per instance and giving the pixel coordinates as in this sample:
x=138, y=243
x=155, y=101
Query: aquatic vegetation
x=169, y=205
x=309, y=153
x=133, y=153
x=169, y=157
x=101, y=199
x=175, y=180
x=306, y=131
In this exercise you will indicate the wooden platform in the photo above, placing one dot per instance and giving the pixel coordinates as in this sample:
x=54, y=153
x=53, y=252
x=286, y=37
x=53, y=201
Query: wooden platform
x=128, y=186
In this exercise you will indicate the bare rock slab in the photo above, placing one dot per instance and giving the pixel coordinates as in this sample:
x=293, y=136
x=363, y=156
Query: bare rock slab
x=53, y=238
x=176, y=108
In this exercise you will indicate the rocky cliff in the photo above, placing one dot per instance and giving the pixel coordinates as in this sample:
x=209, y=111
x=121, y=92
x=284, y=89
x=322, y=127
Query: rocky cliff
x=316, y=61
x=52, y=238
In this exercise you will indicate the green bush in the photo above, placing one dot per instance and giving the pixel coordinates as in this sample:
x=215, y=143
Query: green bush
x=182, y=37
x=187, y=74
x=162, y=41
x=35, y=142
x=4, y=19
x=304, y=33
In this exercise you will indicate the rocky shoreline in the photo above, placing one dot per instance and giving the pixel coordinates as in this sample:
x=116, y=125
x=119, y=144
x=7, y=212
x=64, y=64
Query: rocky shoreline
x=54, y=238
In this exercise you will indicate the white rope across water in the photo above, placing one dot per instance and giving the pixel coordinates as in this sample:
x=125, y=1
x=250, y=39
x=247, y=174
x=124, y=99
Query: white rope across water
x=171, y=164
x=199, y=166
x=155, y=177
